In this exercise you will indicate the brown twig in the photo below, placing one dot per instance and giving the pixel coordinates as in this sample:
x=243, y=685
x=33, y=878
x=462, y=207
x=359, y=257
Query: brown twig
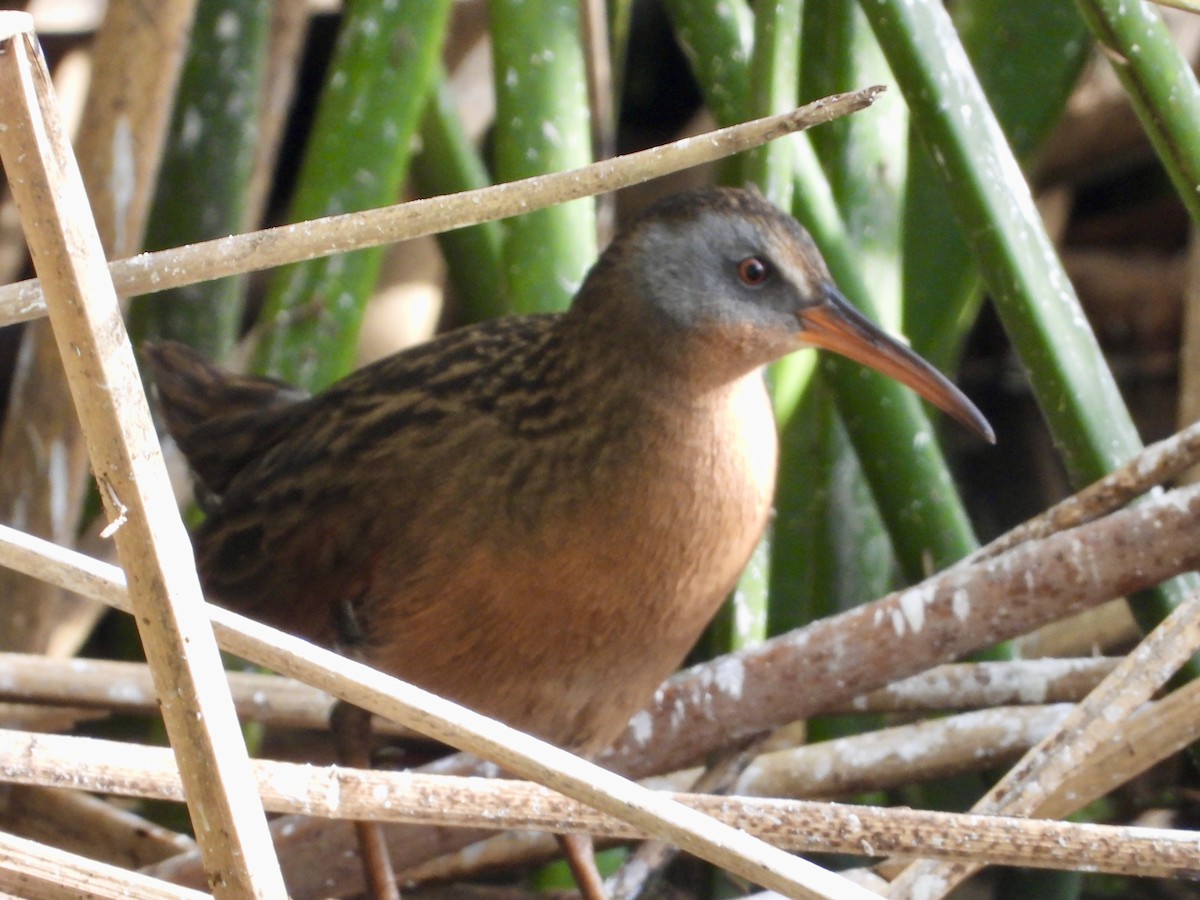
x=1153, y=466
x=903, y=754
x=29, y=869
x=799, y=826
x=1155, y=732
x=81, y=823
x=289, y=25
x=115, y=417
x=127, y=687
x=137, y=53
x=258, y=250
x=1035, y=783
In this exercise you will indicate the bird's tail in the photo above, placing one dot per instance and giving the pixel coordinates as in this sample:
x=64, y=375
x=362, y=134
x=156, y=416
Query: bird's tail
x=221, y=421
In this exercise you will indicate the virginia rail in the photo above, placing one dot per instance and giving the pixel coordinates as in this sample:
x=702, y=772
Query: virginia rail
x=533, y=516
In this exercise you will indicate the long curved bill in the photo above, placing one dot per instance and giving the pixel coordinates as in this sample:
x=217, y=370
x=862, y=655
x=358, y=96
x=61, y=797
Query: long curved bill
x=833, y=324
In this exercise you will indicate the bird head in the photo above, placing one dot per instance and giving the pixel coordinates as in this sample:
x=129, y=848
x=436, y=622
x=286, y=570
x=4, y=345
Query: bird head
x=732, y=283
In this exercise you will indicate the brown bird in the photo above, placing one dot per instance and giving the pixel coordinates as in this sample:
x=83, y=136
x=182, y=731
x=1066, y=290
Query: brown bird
x=535, y=516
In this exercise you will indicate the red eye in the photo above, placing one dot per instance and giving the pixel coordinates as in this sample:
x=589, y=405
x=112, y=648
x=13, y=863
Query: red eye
x=753, y=271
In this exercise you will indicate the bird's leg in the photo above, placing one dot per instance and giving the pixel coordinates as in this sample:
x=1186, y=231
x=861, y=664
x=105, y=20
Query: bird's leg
x=580, y=856
x=351, y=727
x=649, y=862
